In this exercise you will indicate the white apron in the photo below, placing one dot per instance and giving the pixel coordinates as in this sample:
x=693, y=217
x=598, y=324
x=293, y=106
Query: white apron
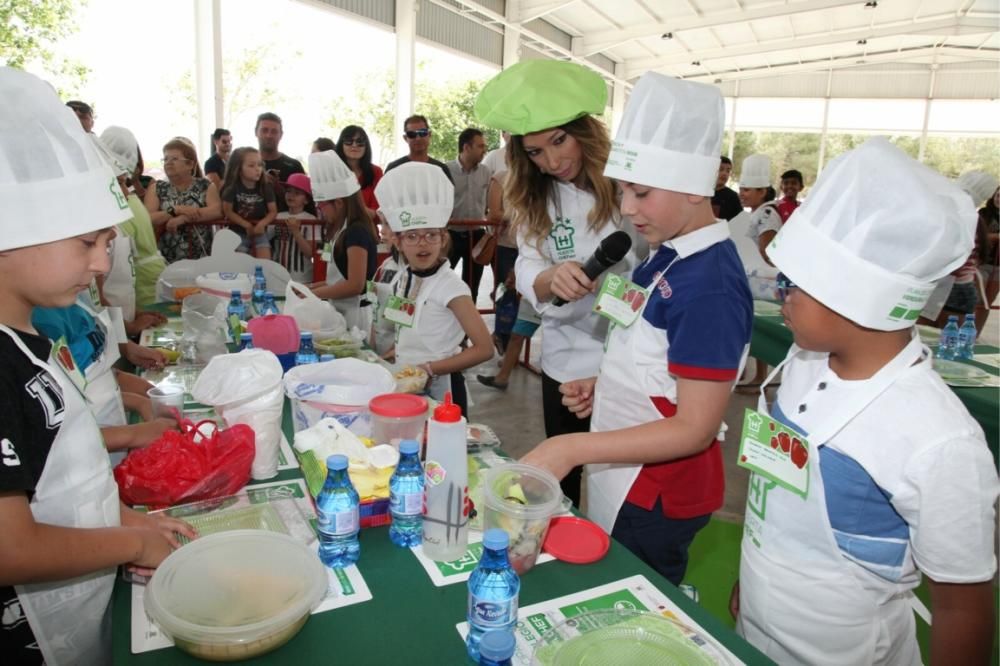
x=71, y=619
x=799, y=599
x=119, y=283
x=102, y=392
x=621, y=400
x=354, y=314
x=412, y=348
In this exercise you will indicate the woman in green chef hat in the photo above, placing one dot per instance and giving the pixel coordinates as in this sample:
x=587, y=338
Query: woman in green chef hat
x=562, y=206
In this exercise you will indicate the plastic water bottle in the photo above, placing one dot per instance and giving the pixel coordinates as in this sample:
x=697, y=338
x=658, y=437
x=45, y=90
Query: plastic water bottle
x=493, y=590
x=446, y=485
x=323, y=358
x=497, y=648
x=270, y=307
x=967, y=338
x=948, y=343
x=306, y=353
x=236, y=314
x=246, y=341
x=406, y=496
x=259, y=288
x=338, y=522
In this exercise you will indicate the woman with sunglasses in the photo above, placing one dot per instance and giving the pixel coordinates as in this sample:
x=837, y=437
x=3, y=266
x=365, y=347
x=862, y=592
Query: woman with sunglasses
x=562, y=206
x=355, y=149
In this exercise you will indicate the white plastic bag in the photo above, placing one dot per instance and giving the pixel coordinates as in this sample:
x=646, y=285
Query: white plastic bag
x=205, y=324
x=247, y=388
x=313, y=313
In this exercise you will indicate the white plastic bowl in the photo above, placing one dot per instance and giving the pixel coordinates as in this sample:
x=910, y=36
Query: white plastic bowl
x=235, y=595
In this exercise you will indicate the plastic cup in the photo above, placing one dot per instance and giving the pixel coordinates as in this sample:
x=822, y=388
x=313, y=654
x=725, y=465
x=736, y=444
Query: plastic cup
x=168, y=401
x=397, y=416
x=521, y=499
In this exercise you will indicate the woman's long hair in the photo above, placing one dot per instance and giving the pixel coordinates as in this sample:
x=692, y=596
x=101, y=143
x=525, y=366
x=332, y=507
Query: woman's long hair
x=528, y=190
x=233, y=168
x=365, y=163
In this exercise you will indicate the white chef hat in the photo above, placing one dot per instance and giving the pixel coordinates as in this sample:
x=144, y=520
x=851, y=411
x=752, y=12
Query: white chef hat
x=122, y=145
x=876, y=232
x=979, y=185
x=415, y=195
x=330, y=177
x=117, y=166
x=670, y=136
x=53, y=182
x=755, y=171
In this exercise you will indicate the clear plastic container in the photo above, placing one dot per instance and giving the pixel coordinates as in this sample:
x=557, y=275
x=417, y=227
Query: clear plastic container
x=237, y=594
x=521, y=499
x=397, y=416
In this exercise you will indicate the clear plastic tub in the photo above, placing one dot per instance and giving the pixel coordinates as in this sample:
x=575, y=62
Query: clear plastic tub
x=235, y=595
x=397, y=416
x=521, y=499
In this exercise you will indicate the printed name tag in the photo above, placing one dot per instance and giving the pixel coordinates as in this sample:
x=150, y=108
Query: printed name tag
x=64, y=359
x=400, y=311
x=327, y=252
x=620, y=301
x=775, y=451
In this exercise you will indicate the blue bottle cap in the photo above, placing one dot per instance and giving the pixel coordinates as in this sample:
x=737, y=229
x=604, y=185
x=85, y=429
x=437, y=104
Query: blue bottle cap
x=497, y=645
x=495, y=539
x=338, y=462
x=306, y=335
x=268, y=294
x=236, y=293
x=246, y=337
x=409, y=446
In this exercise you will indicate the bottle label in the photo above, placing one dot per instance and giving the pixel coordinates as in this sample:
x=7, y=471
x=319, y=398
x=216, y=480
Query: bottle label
x=434, y=473
x=407, y=504
x=341, y=523
x=490, y=612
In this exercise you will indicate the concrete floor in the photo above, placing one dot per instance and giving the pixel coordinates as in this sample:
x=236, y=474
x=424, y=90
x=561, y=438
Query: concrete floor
x=516, y=414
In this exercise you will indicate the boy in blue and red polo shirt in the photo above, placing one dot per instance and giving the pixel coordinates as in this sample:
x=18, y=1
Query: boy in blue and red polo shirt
x=680, y=336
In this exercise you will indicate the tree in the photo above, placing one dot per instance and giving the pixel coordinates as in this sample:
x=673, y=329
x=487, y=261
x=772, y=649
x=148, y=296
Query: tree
x=29, y=28
x=246, y=83
x=449, y=110
x=372, y=106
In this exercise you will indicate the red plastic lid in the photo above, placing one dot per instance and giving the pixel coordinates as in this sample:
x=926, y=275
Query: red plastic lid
x=447, y=411
x=398, y=405
x=575, y=540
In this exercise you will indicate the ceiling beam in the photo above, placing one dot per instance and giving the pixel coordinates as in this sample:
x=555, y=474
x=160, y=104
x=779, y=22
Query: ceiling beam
x=947, y=25
x=530, y=12
x=849, y=61
x=606, y=39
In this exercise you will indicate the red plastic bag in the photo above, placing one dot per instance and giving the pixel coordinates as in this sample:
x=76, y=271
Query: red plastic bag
x=175, y=470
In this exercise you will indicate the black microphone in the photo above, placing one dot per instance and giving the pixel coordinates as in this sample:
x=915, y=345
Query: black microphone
x=611, y=250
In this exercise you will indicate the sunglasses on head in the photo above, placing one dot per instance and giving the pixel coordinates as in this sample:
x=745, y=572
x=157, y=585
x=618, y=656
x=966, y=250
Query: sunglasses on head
x=413, y=134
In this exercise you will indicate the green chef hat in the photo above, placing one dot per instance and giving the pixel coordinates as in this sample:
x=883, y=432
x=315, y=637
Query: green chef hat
x=536, y=95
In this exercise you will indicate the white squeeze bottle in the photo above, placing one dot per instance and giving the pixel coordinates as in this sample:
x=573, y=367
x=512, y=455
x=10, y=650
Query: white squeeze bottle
x=446, y=485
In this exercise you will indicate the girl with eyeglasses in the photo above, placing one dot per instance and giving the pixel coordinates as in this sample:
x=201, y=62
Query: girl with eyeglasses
x=432, y=307
x=562, y=206
x=355, y=149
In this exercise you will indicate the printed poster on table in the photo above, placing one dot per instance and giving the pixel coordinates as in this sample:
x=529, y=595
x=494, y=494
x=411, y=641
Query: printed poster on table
x=458, y=571
x=346, y=586
x=633, y=593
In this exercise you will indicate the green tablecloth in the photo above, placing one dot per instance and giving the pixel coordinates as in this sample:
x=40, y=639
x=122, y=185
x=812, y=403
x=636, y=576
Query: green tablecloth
x=771, y=340
x=409, y=620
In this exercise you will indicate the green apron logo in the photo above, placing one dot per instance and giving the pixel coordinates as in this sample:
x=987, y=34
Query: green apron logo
x=116, y=192
x=562, y=239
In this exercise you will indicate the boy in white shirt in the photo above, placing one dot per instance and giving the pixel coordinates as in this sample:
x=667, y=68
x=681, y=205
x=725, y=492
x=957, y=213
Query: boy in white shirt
x=887, y=476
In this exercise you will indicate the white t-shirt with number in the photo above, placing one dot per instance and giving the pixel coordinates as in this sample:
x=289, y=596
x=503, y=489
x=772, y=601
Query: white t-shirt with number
x=909, y=483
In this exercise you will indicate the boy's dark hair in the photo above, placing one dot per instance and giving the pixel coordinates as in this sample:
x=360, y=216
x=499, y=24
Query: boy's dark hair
x=416, y=118
x=725, y=160
x=267, y=115
x=219, y=133
x=793, y=173
x=355, y=132
x=81, y=107
x=466, y=137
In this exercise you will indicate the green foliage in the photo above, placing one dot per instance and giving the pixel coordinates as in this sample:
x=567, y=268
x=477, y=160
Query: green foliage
x=446, y=104
x=953, y=156
x=28, y=29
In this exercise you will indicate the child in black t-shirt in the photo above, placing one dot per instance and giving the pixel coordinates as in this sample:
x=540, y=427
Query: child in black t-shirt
x=248, y=201
x=64, y=529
